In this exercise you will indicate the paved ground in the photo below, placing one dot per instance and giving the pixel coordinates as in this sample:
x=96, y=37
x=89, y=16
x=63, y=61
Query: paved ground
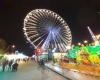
x=74, y=75
x=30, y=71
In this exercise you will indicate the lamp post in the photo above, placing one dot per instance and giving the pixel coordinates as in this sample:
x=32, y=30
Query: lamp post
x=79, y=44
x=85, y=42
x=13, y=48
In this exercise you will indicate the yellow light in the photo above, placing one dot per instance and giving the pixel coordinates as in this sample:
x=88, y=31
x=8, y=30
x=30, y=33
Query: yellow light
x=13, y=46
x=98, y=36
x=79, y=44
x=85, y=41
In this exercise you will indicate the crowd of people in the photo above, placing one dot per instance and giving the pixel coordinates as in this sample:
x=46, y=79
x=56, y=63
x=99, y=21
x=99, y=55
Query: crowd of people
x=12, y=65
x=9, y=65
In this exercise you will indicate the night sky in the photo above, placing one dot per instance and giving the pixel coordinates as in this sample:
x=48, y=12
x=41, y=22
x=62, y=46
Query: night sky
x=77, y=13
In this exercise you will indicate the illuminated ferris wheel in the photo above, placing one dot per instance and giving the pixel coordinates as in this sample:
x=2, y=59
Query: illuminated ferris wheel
x=47, y=30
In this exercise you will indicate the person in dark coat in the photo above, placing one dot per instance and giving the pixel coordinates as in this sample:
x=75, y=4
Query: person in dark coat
x=42, y=62
x=4, y=64
x=15, y=66
x=10, y=64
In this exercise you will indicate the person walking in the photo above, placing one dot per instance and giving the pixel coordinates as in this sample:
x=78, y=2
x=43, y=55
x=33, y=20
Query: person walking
x=42, y=64
x=10, y=64
x=4, y=64
x=15, y=66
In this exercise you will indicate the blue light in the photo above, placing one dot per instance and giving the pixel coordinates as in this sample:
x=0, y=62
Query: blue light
x=53, y=31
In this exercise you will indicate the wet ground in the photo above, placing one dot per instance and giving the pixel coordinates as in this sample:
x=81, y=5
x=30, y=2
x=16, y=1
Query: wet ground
x=30, y=71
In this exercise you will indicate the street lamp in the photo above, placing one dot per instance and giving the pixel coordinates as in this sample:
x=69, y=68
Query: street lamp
x=85, y=41
x=13, y=48
x=79, y=44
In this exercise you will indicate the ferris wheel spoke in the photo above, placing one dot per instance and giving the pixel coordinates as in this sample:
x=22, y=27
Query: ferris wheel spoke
x=67, y=38
x=29, y=33
x=60, y=41
x=40, y=43
x=36, y=39
x=55, y=41
x=30, y=29
x=41, y=14
x=37, y=15
x=57, y=22
x=46, y=15
x=47, y=40
x=66, y=34
x=34, y=18
x=39, y=37
x=64, y=47
x=34, y=28
x=63, y=42
x=47, y=46
x=30, y=24
x=33, y=36
x=59, y=47
x=32, y=21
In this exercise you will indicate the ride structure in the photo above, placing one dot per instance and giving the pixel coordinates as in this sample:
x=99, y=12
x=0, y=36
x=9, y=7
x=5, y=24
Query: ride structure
x=47, y=30
x=93, y=36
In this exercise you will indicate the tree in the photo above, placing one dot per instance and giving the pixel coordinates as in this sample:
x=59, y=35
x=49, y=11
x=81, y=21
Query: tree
x=2, y=46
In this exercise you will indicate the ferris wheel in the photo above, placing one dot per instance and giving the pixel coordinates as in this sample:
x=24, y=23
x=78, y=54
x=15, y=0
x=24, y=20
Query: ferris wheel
x=47, y=30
